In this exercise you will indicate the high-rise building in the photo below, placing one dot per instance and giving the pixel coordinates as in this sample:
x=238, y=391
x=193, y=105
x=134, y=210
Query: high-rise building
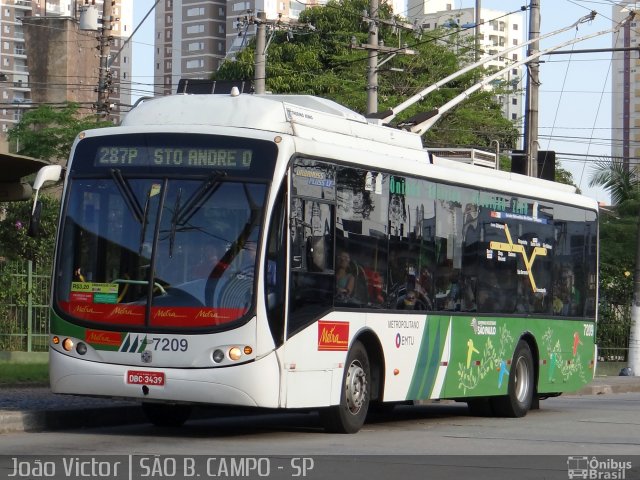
x=497, y=32
x=16, y=80
x=239, y=33
x=625, y=103
x=194, y=37
x=190, y=41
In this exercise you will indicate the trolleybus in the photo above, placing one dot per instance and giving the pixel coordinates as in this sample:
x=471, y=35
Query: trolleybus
x=283, y=252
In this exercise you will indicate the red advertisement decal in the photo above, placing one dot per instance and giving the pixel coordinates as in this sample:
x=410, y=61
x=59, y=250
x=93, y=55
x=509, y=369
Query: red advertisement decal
x=123, y=314
x=100, y=337
x=333, y=336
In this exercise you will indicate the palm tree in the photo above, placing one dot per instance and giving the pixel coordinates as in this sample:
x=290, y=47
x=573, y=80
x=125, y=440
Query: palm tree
x=621, y=182
x=623, y=185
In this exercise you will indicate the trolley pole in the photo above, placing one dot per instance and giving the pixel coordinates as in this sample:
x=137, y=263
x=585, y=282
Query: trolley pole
x=532, y=95
x=104, y=75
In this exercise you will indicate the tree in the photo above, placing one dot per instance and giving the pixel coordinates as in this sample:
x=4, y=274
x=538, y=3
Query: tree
x=623, y=185
x=321, y=62
x=48, y=132
x=14, y=241
x=565, y=177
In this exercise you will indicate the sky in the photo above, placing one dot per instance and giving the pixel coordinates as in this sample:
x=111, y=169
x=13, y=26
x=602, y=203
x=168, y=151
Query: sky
x=575, y=90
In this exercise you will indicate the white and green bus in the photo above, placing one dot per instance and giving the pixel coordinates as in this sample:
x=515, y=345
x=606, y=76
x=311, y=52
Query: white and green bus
x=283, y=252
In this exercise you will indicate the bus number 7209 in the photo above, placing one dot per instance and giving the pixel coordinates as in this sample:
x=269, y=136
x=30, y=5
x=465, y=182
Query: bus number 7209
x=170, y=344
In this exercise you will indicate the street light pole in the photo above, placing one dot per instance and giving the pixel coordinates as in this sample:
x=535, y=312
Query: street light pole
x=532, y=93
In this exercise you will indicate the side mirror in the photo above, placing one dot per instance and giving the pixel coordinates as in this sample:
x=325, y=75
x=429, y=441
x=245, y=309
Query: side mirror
x=34, y=221
x=50, y=173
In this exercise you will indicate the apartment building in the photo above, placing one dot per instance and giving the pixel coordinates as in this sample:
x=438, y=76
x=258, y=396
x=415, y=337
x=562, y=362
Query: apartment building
x=625, y=81
x=17, y=83
x=497, y=32
x=190, y=41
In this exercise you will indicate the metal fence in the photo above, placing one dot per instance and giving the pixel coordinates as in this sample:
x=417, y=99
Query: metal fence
x=24, y=298
x=614, y=325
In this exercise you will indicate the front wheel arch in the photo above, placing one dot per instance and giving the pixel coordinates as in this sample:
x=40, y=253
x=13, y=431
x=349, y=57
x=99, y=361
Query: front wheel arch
x=351, y=412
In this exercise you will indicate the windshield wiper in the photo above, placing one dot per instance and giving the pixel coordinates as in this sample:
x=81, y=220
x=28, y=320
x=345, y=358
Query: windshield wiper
x=127, y=194
x=200, y=195
x=144, y=220
x=174, y=222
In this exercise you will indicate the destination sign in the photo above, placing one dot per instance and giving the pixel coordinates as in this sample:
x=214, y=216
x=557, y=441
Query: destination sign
x=132, y=156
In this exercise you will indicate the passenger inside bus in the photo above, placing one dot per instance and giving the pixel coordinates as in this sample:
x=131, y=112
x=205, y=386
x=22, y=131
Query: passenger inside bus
x=411, y=301
x=345, y=281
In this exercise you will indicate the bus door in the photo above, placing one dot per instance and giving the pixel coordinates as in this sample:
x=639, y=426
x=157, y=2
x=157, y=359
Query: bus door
x=311, y=280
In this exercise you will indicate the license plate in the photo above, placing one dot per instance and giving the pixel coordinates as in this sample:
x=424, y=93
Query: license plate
x=140, y=377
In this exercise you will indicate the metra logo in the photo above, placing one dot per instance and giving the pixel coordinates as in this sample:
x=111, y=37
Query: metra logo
x=133, y=343
x=99, y=337
x=85, y=309
x=209, y=314
x=126, y=311
x=333, y=336
x=166, y=313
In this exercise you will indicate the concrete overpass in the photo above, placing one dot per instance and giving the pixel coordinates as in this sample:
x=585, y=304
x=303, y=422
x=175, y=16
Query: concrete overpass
x=13, y=169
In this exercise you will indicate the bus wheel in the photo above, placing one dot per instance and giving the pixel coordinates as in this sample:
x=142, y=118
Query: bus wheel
x=350, y=414
x=518, y=400
x=166, y=415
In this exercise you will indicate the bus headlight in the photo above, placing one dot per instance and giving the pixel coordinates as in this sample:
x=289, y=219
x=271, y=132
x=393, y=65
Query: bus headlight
x=67, y=344
x=81, y=348
x=235, y=353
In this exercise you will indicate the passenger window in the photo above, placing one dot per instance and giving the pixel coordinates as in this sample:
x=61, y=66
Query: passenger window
x=361, y=242
x=412, y=256
x=456, y=237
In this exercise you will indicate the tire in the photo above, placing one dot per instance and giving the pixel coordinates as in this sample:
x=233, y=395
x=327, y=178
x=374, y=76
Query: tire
x=520, y=391
x=166, y=415
x=349, y=415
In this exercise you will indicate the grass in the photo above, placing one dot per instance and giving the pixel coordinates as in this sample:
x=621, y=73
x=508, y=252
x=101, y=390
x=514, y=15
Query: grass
x=23, y=374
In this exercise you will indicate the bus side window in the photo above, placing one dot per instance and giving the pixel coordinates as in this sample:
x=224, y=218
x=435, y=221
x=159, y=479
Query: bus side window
x=312, y=281
x=274, y=269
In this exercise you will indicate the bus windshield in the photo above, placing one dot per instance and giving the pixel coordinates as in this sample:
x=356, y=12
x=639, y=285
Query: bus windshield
x=161, y=246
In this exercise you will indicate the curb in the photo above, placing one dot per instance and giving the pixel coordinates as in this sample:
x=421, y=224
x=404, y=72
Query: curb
x=604, y=389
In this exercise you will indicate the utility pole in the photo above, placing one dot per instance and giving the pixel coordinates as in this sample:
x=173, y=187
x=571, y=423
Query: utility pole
x=104, y=75
x=374, y=46
x=478, y=20
x=372, y=69
x=260, y=71
x=262, y=45
x=532, y=94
